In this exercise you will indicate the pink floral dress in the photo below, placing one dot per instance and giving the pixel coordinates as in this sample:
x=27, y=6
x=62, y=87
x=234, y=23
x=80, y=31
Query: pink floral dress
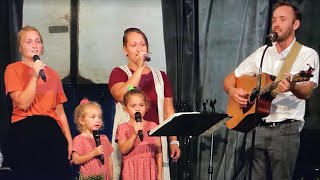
x=140, y=162
x=82, y=145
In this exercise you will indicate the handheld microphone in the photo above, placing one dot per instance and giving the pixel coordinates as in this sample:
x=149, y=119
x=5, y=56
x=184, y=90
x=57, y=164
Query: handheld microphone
x=96, y=137
x=146, y=57
x=41, y=72
x=138, y=118
x=272, y=36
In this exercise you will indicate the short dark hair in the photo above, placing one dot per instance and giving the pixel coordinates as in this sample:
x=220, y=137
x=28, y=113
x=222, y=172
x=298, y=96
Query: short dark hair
x=296, y=11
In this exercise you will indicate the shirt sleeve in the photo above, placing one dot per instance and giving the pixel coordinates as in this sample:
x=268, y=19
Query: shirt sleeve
x=120, y=135
x=76, y=145
x=12, y=80
x=250, y=66
x=312, y=60
x=153, y=125
x=117, y=75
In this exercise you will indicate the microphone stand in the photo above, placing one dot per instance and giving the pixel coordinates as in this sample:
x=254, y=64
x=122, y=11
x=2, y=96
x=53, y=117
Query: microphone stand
x=254, y=97
x=210, y=167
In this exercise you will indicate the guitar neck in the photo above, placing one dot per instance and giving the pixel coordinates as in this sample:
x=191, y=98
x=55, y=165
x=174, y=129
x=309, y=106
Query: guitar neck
x=268, y=88
x=274, y=85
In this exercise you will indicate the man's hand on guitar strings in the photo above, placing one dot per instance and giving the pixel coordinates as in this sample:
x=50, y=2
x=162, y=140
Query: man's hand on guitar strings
x=240, y=96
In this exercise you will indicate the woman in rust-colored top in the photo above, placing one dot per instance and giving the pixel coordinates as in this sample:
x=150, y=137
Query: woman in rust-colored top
x=40, y=140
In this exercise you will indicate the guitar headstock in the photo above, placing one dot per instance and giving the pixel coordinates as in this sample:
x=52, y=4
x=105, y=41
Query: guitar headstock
x=302, y=75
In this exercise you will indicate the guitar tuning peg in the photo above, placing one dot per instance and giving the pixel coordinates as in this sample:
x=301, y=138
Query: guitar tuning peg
x=310, y=68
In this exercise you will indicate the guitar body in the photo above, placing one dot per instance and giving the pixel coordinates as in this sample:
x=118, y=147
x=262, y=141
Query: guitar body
x=243, y=119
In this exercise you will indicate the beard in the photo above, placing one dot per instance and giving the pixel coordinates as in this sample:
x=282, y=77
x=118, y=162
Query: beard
x=284, y=36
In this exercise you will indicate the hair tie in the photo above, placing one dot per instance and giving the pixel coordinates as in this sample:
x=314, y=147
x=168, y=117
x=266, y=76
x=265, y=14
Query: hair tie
x=130, y=88
x=84, y=101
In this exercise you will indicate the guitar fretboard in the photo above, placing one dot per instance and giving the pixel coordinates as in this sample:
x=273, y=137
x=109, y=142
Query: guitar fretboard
x=268, y=88
x=274, y=85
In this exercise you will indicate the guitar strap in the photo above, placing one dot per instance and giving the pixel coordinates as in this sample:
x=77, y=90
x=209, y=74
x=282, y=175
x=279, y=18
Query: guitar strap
x=287, y=65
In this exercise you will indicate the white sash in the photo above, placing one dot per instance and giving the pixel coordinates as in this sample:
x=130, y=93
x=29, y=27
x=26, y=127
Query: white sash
x=121, y=117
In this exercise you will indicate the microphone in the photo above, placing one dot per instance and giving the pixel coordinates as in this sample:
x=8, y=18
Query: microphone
x=96, y=137
x=272, y=36
x=138, y=118
x=41, y=72
x=146, y=57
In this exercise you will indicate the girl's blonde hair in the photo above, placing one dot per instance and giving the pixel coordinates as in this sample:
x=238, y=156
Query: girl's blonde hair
x=79, y=112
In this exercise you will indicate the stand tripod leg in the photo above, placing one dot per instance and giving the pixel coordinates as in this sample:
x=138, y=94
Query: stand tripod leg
x=210, y=168
x=199, y=155
x=189, y=170
x=186, y=158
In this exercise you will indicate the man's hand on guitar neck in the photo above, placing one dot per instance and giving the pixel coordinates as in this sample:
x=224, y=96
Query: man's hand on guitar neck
x=239, y=95
x=284, y=85
x=303, y=90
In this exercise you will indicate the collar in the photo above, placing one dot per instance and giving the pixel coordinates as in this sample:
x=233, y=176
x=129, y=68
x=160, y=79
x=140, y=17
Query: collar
x=286, y=51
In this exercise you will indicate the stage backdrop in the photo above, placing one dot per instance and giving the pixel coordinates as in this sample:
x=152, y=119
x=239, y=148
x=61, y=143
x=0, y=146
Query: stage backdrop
x=101, y=26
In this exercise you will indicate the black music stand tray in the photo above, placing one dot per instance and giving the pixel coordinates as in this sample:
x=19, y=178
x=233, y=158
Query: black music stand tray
x=189, y=124
x=192, y=124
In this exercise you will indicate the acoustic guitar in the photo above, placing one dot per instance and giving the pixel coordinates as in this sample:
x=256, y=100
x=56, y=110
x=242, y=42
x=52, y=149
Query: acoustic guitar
x=244, y=119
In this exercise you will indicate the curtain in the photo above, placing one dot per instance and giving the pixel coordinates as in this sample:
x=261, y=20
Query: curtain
x=181, y=46
x=308, y=34
x=10, y=23
x=229, y=31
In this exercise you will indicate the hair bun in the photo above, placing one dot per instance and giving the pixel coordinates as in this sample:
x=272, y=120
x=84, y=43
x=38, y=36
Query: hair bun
x=84, y=101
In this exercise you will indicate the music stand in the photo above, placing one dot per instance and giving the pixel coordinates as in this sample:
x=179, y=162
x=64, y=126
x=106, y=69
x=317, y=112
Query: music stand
x=191, y=124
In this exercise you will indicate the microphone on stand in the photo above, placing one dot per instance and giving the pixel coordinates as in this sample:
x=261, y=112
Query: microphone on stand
x=41, y=72
x=273, y=36
x=138, y=118
x=96, y=137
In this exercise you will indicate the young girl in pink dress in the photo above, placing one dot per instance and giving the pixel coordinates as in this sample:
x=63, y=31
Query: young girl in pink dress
x=88, y=117
x=142, y=159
